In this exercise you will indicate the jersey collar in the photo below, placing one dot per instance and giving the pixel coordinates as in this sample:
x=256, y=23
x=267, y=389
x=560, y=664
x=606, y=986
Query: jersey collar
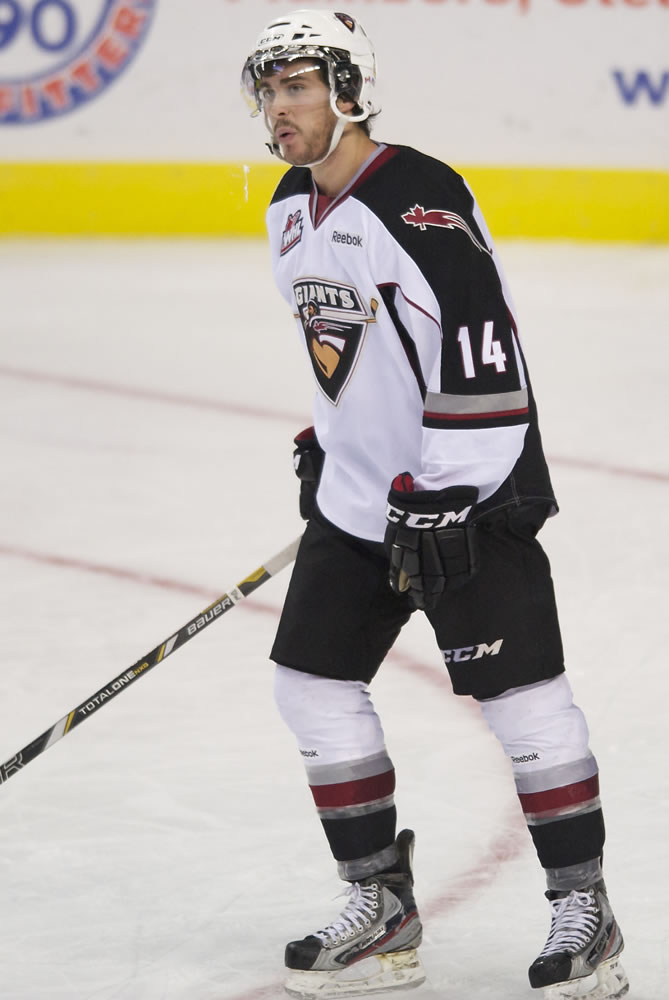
x=381, y=155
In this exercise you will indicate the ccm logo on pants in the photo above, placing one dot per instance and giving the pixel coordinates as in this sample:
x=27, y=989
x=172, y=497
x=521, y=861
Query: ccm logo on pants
x=472, y=652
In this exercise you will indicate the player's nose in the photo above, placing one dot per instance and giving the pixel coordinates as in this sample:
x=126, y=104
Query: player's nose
x=279, y=104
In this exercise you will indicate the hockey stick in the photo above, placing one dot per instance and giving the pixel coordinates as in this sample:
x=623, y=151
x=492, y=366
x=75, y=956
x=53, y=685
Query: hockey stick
x=146, y=663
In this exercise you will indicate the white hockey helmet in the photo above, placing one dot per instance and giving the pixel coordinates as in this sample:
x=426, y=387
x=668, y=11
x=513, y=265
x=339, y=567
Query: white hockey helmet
x=336, y=39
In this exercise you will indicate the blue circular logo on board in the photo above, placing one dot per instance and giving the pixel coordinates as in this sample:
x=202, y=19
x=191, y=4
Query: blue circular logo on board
x=56, y=55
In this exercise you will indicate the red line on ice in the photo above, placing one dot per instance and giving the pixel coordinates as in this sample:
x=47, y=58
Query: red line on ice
x=504, y=847
x=150, y=395
x=266, y=413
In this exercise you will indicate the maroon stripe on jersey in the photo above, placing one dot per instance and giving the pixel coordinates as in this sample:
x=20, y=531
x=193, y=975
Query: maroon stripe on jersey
x=388, y=292
x=394, y=284
x=560, y=798
x=447, y=417
x=352, y=793
x=475, y=421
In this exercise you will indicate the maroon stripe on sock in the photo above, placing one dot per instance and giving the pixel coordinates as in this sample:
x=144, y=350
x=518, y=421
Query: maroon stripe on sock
x=353, y=793
x=559, y=798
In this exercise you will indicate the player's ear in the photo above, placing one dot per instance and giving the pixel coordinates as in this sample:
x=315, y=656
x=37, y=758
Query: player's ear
x=345, y=105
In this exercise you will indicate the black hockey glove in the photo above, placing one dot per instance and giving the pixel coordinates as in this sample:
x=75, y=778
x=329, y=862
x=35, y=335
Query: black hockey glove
x=308, y=461
x=431, y=546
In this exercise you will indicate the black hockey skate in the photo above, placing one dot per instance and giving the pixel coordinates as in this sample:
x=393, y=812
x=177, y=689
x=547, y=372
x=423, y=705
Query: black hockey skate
x=581, y=957
x=370, y=947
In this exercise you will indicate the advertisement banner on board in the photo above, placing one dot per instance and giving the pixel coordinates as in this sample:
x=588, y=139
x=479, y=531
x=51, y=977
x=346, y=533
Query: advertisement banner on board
x=532, y=82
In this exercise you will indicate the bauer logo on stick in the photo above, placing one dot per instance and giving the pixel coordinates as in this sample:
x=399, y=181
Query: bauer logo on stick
x=60, y=54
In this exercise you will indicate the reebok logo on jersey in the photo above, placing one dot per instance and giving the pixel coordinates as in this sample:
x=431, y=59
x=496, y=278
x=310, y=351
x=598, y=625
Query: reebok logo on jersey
x=347, y=239
x=526, y=758
x=472, y=652
x=292, y=232
x=421, y=218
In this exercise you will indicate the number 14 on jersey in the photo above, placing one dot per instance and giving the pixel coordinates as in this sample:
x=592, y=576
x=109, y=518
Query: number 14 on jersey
x=491, y=350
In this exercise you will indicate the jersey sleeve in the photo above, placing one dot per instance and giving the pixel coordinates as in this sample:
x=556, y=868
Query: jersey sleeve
x=453, y=309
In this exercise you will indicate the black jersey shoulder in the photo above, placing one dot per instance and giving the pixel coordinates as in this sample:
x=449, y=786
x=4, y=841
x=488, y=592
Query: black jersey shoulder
x=412, y=172
x=297, y=180
x=427, y=208
x=408, y=192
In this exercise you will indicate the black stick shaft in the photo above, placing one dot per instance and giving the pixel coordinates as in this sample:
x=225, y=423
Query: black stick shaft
x=147, y=662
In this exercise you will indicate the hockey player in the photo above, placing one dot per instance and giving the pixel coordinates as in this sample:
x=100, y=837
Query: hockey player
x=424, y=485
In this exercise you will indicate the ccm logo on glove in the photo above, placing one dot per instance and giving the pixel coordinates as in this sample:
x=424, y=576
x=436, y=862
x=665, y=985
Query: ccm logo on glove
x=431, y=545
x=412, y=520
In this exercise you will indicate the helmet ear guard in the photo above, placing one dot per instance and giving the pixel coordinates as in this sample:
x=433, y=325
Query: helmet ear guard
x=347, y=84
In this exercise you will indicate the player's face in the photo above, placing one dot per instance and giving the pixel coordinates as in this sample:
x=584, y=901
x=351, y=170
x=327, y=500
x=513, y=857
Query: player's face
x=296, y=105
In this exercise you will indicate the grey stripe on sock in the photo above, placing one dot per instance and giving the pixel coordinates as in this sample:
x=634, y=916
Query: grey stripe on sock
x=575, y=876
x=555, y=777
x=364, y=809
x=566, y=812
x=349, y=770
x=359, y=868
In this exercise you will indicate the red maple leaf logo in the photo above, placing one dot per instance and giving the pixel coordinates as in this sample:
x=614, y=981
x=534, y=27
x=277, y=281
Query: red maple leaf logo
x=422, y=218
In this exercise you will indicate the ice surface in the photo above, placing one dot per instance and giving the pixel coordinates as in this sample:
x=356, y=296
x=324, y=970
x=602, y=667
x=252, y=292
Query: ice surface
x=149, y=393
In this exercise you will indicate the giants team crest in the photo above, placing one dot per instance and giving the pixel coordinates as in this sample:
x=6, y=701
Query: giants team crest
x=334, y=321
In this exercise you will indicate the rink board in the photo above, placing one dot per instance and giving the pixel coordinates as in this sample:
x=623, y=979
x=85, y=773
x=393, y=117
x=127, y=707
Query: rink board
x=229, y=199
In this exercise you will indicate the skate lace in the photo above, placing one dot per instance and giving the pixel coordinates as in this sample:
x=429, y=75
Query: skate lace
x=574, y=920
x=356, y=916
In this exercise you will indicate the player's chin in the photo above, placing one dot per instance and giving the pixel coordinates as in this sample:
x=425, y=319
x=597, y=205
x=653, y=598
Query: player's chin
x=298, y=157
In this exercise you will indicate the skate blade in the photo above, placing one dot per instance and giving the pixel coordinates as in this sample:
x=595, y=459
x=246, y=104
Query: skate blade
x=608, y=982
x=398, y=970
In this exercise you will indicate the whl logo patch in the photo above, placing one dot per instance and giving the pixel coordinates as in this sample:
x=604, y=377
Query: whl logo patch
x=292, y=232
x=334, y=322
x=422, y=218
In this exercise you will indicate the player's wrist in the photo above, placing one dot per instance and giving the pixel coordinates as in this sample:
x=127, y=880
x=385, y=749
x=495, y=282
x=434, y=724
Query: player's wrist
x=308, y=458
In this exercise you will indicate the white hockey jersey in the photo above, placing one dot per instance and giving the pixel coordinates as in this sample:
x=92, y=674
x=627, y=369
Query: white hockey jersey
x=408, y=325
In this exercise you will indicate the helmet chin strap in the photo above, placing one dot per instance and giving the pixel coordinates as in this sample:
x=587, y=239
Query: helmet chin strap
x=337, y=132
